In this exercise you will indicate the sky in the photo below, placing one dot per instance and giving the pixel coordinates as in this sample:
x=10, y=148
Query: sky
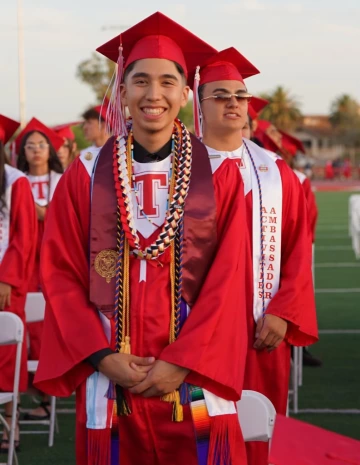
x=312, y=48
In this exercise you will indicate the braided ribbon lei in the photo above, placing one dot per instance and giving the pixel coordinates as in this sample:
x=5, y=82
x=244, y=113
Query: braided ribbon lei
x=128, y=242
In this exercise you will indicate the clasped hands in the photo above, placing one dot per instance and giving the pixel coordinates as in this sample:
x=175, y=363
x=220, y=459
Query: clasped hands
x=142, y=375
x=270, y=332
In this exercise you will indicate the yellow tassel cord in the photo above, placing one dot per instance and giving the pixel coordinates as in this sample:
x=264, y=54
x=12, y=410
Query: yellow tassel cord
x=125, y=347
x=174, y=396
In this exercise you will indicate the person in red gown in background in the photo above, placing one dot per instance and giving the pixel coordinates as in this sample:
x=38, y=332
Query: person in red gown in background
x=68, y=151
x=170, y=353
x=329, y=170
x=36, y=147
x=18, y=227
x=281, y=306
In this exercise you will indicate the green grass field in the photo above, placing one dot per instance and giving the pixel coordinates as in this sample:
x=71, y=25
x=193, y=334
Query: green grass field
x=336, y=385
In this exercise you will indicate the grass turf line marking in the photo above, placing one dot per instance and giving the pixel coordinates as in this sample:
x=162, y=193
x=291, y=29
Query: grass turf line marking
x=333, y=247
x=338, y=291
x=338, y=265
x=339, y=331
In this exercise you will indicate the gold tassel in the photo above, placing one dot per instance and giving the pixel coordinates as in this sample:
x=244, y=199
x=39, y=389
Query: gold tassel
x=127, y=348
x=178, y=412
x=122, y=347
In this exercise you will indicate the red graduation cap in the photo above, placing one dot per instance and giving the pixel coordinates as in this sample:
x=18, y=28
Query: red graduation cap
x=267, y=142
x=297, y=443
x=36, y=125
x=227, y=65
x=7, y=128
x=65, y=131
x=256, y=105
x=291, y=144
x=158, y=36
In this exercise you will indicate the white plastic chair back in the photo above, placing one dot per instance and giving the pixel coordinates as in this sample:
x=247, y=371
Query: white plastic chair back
x=352, y=200
x=355, y=226
x=34, y=307
x=12, y=332
x=257, y=416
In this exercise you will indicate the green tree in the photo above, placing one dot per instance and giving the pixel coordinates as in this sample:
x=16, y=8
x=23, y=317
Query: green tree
x=186, y=115
x=345, y=119
x=283, y=109
x=96, y=72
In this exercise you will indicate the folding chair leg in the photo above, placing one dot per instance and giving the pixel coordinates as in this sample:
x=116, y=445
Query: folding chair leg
x=52, y=420
x=296, y=379
x=301, y=353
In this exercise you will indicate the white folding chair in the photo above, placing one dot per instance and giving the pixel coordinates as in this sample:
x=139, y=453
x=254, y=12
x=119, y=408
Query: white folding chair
x=256, y=416
x=355, y=225
x=352, y=200
x=35, y=311
x=11, y=332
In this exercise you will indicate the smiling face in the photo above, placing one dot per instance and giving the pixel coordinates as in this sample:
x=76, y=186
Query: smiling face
x=224, y=115
x=154, y=91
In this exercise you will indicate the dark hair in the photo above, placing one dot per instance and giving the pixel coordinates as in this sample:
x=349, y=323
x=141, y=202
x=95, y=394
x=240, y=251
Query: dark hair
x=250, y=120
x=179, y=68
x=201, y=91
x=72, y=150
x=53, y=162
x=2, y=177
x=92, y=114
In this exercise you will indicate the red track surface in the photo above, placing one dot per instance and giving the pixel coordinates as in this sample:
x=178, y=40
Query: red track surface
x=333, y=186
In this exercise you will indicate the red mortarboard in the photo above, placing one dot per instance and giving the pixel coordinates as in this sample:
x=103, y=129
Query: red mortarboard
x=297, y=443
x=291, y=143
x=256, y=105
x=227, y=65
x=65, y=131
x=261, y=134
x=103, y=108
x=7, y=128
x=158, y=36
x=36, y=125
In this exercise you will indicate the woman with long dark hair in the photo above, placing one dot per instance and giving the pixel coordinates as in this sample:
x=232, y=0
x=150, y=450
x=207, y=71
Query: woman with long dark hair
x=37, y=159
x=18, y=226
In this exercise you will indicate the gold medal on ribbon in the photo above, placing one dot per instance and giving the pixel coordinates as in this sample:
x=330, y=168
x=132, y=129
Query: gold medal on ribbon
x=105, y=264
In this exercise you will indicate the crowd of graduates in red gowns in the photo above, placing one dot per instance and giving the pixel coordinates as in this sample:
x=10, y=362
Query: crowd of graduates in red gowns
x=220, y=347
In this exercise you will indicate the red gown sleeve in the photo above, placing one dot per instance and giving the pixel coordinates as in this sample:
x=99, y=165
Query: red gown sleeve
x=311, y=208
x=295, y=299
x=72, y=327
x=19, y=257
x=213, y=340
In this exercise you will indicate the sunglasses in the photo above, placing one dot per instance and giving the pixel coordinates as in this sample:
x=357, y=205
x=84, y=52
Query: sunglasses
x=226, y=97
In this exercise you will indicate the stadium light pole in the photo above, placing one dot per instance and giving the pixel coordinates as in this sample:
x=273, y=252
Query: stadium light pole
x=21, y=63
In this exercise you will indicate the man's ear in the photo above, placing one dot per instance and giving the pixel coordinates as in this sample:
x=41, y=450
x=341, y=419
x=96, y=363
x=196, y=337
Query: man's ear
x=123, y=94
x=185, y=96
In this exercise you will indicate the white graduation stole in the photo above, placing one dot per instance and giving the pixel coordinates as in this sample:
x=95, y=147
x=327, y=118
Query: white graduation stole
x=11, y=175
x=265, y=285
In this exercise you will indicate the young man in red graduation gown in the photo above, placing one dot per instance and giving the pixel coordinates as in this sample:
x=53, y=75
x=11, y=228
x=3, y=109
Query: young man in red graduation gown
x=154, y=232
x=18, y=227
x=281, y=308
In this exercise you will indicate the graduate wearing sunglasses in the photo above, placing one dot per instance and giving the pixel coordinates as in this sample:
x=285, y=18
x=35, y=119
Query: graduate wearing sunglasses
x=280, y=308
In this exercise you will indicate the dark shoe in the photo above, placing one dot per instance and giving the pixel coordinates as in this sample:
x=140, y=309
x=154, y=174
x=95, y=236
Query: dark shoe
x=4, y=444
x=5, y=450
x=309, y=360
x=32, y=417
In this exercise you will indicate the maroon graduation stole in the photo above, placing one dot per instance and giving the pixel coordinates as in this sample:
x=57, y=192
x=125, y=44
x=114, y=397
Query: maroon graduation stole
x=199, y=244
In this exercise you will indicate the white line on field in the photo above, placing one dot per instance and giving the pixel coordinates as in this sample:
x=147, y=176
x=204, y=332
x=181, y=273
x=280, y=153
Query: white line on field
x=345, y=411
x=333, y=247
x=331, y=227
x=339, y=331
x=337, y=265
x=338, y=291
x=332, y=236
